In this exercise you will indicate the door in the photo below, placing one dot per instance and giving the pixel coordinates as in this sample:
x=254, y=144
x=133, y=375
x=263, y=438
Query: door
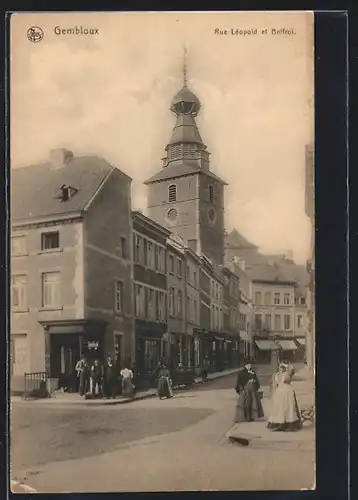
x=19, y=354
x=64, y=354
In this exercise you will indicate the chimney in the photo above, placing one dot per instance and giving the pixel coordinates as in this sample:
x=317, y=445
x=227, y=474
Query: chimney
x=192, y=244
x=289, y=255
x=60, y=157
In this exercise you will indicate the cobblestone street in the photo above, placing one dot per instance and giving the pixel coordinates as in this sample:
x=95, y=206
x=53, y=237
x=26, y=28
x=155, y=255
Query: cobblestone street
x=153, y=445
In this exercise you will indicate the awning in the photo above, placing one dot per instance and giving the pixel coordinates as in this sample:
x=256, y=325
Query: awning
x=265, y=345
x=301, y=341
x=288, y=345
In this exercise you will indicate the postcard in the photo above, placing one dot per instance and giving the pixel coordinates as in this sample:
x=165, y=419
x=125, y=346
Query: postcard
x=162, y=251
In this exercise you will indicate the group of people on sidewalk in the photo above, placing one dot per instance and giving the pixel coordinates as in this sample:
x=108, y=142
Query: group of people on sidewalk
x=285, y=413
x=102, y=380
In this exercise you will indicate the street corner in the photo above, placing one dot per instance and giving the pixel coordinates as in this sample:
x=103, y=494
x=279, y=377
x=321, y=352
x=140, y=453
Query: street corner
x=238, y=434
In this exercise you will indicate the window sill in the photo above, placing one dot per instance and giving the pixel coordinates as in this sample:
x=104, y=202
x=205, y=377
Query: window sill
x=51, y=308
x=50, y=250
x=20, y=310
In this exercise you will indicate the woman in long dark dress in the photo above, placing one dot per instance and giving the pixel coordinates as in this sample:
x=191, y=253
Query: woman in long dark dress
x=164, y=382
x=249, y=406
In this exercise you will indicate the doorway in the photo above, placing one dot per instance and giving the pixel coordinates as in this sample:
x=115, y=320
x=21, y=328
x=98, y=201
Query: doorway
x=65, y=352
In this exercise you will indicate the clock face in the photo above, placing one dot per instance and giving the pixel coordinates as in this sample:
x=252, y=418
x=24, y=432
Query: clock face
x=172, y=215
x=211, y=215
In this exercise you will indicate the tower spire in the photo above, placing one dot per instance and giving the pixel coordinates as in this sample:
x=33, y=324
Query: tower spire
x=185, y=69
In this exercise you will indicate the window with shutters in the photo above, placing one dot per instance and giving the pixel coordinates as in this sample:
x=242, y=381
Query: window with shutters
x=118, y=296
x=180, y=304
x=18, y=246
x=171, y=300
x=150, y=306
x=172, y=193
x=258, y=322
x=18, y=291
x=139, y=301
x=180, y=268
x=51, y=289
x=277, y=322
x=258, y=298
x=268, y=321
x=171, y=264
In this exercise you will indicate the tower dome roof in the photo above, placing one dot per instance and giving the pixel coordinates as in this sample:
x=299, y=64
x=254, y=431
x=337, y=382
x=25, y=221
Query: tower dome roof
x=185, y=102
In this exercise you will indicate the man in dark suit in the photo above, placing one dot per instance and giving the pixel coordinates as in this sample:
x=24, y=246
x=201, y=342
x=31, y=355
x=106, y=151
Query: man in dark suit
x=109, y=378
x=249, y=406
x=97, y=378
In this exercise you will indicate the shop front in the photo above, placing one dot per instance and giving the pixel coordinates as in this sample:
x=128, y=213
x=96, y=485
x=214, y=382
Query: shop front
x=263, y=349
x=288, y=350
x=149, y=351
x=181, y=361
x=65, y=343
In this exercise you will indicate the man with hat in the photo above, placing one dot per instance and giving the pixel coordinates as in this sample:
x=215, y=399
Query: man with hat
x=249, y=406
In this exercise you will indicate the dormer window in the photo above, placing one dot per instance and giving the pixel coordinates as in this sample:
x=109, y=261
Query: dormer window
x=172, y=193
x=67, y=192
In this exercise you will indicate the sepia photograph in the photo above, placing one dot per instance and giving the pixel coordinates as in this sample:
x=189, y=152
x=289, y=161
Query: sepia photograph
x=162, y=272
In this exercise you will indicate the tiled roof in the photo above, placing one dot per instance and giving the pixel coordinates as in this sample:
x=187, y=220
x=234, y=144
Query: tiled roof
x=180, y=170
x=35, y=189
x=296, y=273
x=237, y=240
x=267, y=273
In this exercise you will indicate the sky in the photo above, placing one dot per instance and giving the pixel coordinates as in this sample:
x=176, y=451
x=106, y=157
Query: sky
x=109, y=94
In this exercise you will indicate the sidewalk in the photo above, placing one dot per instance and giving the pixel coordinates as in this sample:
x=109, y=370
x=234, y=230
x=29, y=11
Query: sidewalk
x=66, y=398
x=258, y=435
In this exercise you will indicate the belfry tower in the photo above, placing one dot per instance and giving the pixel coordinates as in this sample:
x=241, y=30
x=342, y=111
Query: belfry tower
x=185, y=196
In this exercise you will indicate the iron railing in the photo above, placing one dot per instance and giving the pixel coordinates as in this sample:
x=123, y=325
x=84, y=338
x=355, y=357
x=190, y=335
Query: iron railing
x=36, y=383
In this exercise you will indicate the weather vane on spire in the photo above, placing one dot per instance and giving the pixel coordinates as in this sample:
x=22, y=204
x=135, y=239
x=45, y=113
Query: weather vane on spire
x=185, y=67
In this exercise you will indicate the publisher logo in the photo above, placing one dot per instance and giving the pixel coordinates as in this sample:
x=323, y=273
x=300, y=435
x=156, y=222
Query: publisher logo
x=35, y=34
